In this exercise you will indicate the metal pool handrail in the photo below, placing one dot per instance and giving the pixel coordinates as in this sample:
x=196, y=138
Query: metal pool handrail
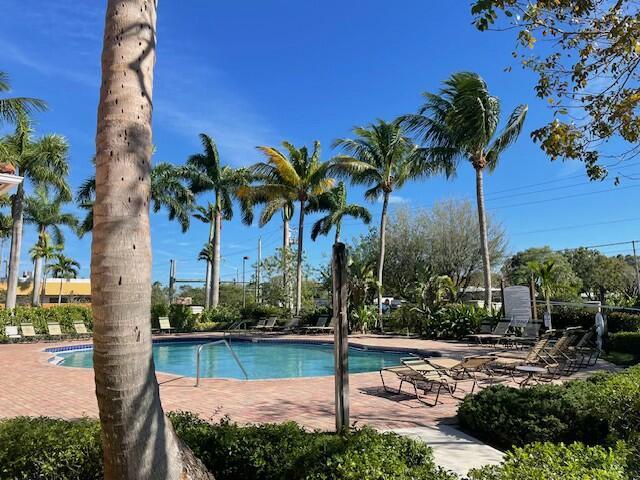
x=233, y=354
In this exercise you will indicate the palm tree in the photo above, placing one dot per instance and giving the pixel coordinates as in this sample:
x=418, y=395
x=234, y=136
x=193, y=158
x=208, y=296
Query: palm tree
x=250, y=196
x=546, y=279
x=167, y=191
x=207, y=215
x=295, y=177
x=12, y=108
x=461, y=123
x=206, y=174
x=46, y=214
x=43, y=162
x=138, y=441
x=43, y=251
x=384, y=159
x=6, y=225
x=335, y=203
x=64, y=267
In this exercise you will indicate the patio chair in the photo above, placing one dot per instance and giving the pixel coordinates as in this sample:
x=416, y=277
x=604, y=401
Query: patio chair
x=267, y=324
x=499, y=332
x=11, y=331
x=291, y=326
x=329, y=328
x=585, y=349
x=508, y=361
x=320, y=323
x=80, y=328
x=28, y=330
x=165, y=326
x=466, y=368
x=54, y=330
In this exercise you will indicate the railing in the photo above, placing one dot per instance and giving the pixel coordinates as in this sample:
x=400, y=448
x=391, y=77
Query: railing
x=233, y=354
x=235, y=326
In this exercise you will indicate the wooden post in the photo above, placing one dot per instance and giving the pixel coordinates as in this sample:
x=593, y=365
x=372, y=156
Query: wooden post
x=534, y=306
x=341, y=336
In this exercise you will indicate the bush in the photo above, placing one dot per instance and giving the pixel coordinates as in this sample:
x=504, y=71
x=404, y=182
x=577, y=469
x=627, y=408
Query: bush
x=564, y=317
x=181, y=318
x=550, y=461
x=50, y=449
x=624, y=342
x=258, y=311
x=39, y=316
x=220, y=314
x=600, y=410
x=623, y=322
x=63, y=450
x=158, y=310
x=451, y=321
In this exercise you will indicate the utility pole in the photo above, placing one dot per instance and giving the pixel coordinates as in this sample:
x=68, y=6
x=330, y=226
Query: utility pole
x=635, y=261
x=172, y=279
x=244, y=284
x=258, y=266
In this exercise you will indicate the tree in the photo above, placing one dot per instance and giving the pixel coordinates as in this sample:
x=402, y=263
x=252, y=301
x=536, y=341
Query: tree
x=384, y=159
x=43, y=251
x=516, y=271
x=44, y=163
x=138, y=440
x=207, y=215
x=546, y=279
x=461, y=123
x=63, y=268
x=167, y=191
x=6, y=225
x=588, y=71
x=206, y=174
x=46, y=214
x=12, y=108
x=296, y=176
x=334, y=202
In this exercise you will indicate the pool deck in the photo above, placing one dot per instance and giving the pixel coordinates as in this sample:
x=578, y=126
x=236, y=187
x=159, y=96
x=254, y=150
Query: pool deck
x=31, y=385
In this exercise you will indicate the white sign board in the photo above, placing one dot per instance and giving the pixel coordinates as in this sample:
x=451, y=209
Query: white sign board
x=517, y=305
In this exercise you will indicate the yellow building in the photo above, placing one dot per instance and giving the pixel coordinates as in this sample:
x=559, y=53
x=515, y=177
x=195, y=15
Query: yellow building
x=75, y=290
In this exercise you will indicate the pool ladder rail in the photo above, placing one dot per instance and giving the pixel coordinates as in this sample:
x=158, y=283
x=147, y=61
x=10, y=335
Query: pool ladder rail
x=217, y=342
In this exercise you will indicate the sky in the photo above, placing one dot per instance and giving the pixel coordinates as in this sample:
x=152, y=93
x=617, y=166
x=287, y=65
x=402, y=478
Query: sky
x=256, y=73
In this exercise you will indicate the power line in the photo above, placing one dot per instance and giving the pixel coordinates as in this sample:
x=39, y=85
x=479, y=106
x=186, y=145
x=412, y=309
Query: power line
x=571, y=227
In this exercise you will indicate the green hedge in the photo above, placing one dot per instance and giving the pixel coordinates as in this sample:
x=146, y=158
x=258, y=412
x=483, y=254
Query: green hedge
x=550, y=461
x=623, y=322
x=600, y=410
x=44, y=448
x=624, y=342
x=452, y=321
x=65, y=315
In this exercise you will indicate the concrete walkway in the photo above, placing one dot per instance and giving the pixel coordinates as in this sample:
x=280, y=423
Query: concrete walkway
x=453, y=449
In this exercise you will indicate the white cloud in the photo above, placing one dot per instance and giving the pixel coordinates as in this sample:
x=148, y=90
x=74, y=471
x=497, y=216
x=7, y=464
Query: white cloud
x=394, y=199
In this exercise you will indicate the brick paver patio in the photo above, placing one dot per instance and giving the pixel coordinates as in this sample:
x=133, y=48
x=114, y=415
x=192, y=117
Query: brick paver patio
x=30, y=385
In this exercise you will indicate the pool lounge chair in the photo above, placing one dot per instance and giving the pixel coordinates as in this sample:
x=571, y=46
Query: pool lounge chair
x=267, y=324
x=329, y=328
x=80, y=328
x=54, y=330
x=11, y=331
x=291, y=326
x=467, y=368
x=165, y=326
x=28, y=331
x=320, y=323
x=499, y=333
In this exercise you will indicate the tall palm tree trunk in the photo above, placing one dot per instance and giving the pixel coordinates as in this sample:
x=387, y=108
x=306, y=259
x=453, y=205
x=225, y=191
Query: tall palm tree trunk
x=215, y=268
x=37, y=281
x=338, y=232
x=43, y=293
x=286, y=239
x=17, y=214
x=484, y=238
x=60, y=292
x=138, y=440
x=299, y=260
x=383, y=240
x=207, y=282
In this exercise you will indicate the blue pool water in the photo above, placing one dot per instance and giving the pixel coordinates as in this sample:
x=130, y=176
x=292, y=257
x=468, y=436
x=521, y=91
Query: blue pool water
x=261, y=360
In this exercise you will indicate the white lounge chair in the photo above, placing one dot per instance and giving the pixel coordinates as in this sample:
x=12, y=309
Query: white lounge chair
x=11, y=331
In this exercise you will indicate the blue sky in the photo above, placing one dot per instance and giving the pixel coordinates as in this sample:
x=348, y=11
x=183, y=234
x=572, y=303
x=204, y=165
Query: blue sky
x=254, y=73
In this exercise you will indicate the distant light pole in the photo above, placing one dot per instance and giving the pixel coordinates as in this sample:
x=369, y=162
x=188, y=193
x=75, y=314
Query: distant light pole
x=244, y=284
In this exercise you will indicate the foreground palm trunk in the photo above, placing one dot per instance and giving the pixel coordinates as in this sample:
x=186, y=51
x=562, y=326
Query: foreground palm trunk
x=484, y=239
x=138, y=441
x=17, y=214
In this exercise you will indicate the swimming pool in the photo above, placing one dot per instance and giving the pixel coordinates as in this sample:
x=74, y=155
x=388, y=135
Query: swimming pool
x=261, y=360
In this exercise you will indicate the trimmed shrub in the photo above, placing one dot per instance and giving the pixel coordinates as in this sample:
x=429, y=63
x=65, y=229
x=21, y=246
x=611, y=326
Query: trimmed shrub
x=220, y=315
x=62, y=450
x=623, y=322
x=181, y=318
x=65, y=315
x=564, y=317
x=50, y=449
x=258, y=311
x=157, y=311
x=551, y=461
x=600, y=410
x=624, y=342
